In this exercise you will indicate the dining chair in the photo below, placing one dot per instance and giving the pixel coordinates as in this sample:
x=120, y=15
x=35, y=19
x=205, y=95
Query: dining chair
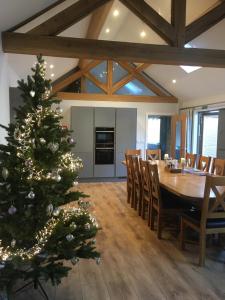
x=153, y=154
x=218, y=167
x=146, y=190
x=163, y=203
x=137, y=182
x=130, y=178
x=204, y=163
x=133, y=152
x=191, y=160
x=210, y=219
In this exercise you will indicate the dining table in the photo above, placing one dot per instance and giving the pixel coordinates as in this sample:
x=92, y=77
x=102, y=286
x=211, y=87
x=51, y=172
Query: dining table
x=187, y=184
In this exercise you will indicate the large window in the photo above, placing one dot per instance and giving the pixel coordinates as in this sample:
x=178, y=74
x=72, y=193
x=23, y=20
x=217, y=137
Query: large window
x=154, y=124
x=208, y=132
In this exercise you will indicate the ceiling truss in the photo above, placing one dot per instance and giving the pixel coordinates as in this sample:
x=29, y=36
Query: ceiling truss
x=43, y=39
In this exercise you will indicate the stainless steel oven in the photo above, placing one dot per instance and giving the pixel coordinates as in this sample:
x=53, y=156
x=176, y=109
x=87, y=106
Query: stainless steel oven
x=104, y=146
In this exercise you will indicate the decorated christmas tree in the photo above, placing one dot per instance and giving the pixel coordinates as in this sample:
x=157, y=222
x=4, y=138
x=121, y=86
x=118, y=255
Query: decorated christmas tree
x=38, y=231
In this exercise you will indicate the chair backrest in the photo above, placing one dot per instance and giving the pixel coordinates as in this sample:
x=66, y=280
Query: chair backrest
x=191, y=160
x=155, y=186
x=213, y=208
x=153, y=154
x=204, y=163
x=145, y=176
x=136, y=169
x=218, y=167
x=133, y=152
x=129, y=165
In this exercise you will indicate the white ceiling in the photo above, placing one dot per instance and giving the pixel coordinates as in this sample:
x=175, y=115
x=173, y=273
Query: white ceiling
x=204, y=82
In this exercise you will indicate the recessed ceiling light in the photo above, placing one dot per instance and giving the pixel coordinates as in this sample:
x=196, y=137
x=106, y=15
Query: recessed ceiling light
x=174, y=81
x=52, y=75
x=51, y=66
x=116, y=13
x=107, y=30
x=143, y=34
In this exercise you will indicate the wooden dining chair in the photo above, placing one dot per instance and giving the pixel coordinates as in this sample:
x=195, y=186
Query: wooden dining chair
x=191, y=160
x=130, y=179
x=163, y=203
x=133, y=152
x=137, y=182
x=218, y=167
x=210, y=219
x=204, y=163
x=146, y=190
x=154, y=154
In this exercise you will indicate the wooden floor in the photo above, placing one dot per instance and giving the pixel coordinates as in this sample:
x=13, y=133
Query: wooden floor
x=135, y=265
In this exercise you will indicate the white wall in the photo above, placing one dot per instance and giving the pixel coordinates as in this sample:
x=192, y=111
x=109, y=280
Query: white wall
x=142, y=110
x=216, y=99
x=4, y=94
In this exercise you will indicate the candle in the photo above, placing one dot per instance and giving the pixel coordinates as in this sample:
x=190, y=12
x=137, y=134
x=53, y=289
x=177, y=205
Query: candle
x=166, y=156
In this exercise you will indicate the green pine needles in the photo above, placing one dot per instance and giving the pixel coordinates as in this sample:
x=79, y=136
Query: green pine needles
x=38, y=232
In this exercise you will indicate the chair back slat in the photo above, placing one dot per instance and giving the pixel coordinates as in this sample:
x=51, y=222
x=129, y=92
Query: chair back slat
x=204, y=163
x=218, y=167
x=191, y=160
x=145, y=175
x=154, y=154
x=155, y=186
x=129, y=163
x=213, y=207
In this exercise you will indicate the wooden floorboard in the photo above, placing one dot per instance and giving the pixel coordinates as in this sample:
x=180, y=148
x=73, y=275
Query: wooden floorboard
x=135, y=264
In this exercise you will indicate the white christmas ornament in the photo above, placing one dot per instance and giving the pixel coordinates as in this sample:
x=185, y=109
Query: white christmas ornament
x=69, y=237
x=74, y=260
x=31, y=195
x=98, y=260
x=12, y=210
x=13, y=243
x=32, y=93
x=5, y=173
x=53, y=147
x=42, y=141
x=56, y=211
x=75, y=183
x=57, y=178
x=59, y=110
x=50, y=209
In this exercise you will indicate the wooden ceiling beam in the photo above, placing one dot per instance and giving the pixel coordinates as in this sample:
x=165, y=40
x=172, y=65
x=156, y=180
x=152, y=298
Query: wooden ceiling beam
x=96, y=24
x=205, y=22
x=149, y=16
x=108, y=50
x=59, y=85
x=116, y=98
x=68, y=17
x=99, y=84
x=178, y=21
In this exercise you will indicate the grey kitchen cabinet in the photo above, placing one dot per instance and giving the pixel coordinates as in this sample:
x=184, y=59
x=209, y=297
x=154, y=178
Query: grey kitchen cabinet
x=82, y=124
x=104, y=171
x=105, y=117
x=221, y=135
x=126, y=132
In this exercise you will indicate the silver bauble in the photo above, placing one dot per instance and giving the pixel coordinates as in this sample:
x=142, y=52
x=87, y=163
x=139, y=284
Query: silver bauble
x=12, y=210
x=98, y=260
x=59, y=110
x=75, y=260
x=53, y=147
x=57, y=178
x=70, y=141
x=73, y=226
x=5, y=173
x=50, y=209
x=87, y=226
x=13, y=243
x=39, y=107
x=2, y=265
x=75, y=183
x=32, y=93
x=31, y=195
x=56, y=211
x=42, y=141
x=69, y=237
x=28, y=163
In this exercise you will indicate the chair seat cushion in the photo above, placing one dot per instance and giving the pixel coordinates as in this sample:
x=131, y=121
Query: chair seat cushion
x=194, y=216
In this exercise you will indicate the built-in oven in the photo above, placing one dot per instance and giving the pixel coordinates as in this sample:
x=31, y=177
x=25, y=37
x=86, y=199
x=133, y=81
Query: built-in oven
x=104, y=146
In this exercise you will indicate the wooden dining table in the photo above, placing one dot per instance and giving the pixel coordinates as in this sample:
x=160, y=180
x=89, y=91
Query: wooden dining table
x=188, y=186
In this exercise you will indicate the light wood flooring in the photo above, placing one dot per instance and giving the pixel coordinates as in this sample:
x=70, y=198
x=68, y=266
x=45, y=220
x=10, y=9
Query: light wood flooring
x=135, y=264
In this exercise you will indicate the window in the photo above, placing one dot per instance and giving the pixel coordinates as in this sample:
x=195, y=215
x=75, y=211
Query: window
x=154, y=125
x=208, y=132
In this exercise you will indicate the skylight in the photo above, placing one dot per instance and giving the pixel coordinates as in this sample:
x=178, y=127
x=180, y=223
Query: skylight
x=190, y=69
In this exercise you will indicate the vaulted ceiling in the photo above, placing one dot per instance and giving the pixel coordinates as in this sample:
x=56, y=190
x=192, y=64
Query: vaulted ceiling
x=204, y=82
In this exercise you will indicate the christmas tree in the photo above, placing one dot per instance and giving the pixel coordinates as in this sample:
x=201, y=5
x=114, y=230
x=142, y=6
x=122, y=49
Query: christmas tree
x=38, y=232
